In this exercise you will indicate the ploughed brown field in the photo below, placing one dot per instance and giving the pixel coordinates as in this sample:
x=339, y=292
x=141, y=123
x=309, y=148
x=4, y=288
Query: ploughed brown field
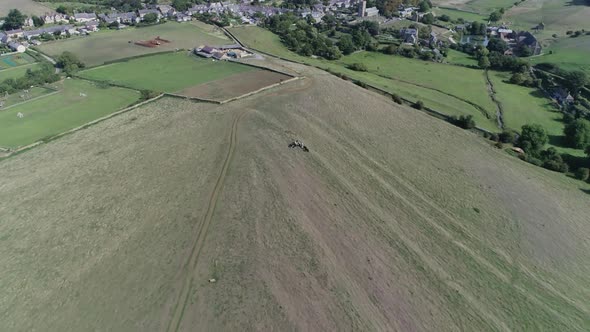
x=393, y=221
x=235, y=85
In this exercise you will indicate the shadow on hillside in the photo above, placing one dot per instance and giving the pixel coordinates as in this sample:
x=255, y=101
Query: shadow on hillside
x=558, y=141
x=577, y=3
x=587, y=191
x=575, y=162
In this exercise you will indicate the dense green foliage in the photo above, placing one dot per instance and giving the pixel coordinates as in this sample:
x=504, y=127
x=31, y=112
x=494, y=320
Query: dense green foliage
x=14, y=20
x=577, y=133
x=69, y=63
x=45, y=74
x=532, y=138
x=302, y=37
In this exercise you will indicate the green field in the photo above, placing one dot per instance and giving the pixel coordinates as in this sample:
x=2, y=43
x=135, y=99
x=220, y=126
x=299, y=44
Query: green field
x=460, y=58
x=109, y=45
x=15, y=60
x=16, y=72
x=455, y=14
x=170, y=72
x=15, y=98
x=412, y=79
x=569, y=53
x=524, y=105
x=27, y=7
x=60, y=112
x=477, y=6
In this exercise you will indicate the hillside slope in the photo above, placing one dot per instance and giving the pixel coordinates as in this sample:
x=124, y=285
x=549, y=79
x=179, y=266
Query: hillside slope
x=393, y=221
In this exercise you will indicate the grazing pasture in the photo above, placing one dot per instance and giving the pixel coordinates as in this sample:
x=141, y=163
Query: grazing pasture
x=56, y=113
x=393, y=221
x=569, y=53
x=109, y=45
x=16, y=72
x=170, y=72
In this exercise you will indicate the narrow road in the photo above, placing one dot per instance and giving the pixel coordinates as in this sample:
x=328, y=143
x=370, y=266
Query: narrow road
x=201, y=232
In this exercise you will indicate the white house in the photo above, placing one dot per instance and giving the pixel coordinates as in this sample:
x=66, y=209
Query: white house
x=84, y=17
x=17, y=47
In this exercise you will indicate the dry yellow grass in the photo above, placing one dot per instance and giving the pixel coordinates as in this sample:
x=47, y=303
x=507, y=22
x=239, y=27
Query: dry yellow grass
x=393, y=221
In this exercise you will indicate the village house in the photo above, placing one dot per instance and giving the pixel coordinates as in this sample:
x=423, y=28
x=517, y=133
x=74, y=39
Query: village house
x=17, y=47
x=49, y=30
x=527, y=39
x=371, y=11
x=29, y=22
x=15, y=33
x=406, y=12
x=166, y=10
x=180, y=17
x=143, y=12
x=562, y=96
x=4, y=38
x=54, y=18
x=409, y=36
x=84, y=17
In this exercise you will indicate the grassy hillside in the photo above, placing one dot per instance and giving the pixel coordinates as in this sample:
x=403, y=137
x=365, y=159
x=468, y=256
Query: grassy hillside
x=27, y=7
x=393, y=221
x=108, y=45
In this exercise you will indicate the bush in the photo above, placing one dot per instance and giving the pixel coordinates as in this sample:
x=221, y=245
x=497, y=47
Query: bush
x=418, y=105
x=533, y=160
x=358, y=67
x=507, y=137
x=148, y=94
x=499, y=145
x=583, y=173
x=397, y=99
x=465, y=122
x=361, y=84
x=494, y=137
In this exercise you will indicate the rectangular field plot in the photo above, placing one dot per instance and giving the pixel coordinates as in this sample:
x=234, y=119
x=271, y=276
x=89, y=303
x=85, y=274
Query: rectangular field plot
x=77, y=103
x=109, y=45
x=235, y=85
x=165, y=72
x=15, y=60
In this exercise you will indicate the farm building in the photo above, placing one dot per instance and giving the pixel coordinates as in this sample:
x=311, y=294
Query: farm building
x=222, y=52
x=409, y=36
x=17, y=47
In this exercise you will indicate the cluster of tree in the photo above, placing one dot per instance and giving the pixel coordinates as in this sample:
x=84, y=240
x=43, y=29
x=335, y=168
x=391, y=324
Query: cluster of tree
x=222, y=20
x=357, y=66
x=14, y=20
x=183, y=5
x=44, y=74
x=532, y=139
x=496, y=15
x=464, y=121
x=477, y=29
x=298, y=3
x=302, y=37
x=360, y=37
x=577, y=132
x=69, y=63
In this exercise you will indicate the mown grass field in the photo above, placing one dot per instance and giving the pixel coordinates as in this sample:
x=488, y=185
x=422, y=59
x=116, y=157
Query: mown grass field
x=15, y=98
x=60, y=112
x=16, y=72
x=456, y=14
x=393, y=221
x=460, y=58
x=170, y=72
x=109, y=45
